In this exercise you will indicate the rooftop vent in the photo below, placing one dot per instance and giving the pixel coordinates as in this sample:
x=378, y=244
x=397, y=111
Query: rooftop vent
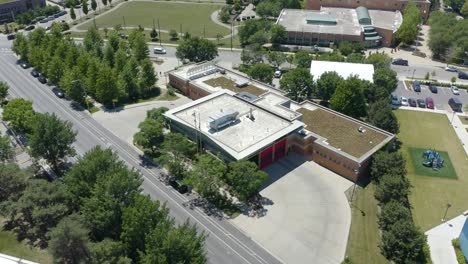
x=221, y=119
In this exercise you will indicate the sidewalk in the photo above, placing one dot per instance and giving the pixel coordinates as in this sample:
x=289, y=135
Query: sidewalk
x=460, y=128
x=440, y=239
x=5, y=259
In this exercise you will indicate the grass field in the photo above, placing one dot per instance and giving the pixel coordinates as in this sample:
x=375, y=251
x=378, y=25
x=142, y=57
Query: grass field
x=10, y=246
x=231, y=85
x=194, y=18
x=430, y=195
x=416, y=159
x=463, y=119
x=364, y=238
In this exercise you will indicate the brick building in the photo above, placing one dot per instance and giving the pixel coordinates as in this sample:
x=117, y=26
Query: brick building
x=9, y=9
x=239, y=118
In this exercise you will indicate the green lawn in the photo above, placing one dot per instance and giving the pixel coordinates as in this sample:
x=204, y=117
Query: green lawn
x=416, y=160
x=430, y=195
x=193, y=17
x=10, y=246
x=364, y=238
x=463, y=119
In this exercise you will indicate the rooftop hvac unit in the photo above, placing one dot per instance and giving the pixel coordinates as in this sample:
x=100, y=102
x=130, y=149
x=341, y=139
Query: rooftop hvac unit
x=221, y=119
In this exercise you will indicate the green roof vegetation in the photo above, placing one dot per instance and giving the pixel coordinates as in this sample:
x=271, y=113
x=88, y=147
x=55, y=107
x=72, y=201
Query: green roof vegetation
x=341, y=132
x=231, y=85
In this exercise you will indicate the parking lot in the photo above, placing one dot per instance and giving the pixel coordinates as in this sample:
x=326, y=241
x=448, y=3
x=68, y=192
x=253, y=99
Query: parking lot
x=440, y=98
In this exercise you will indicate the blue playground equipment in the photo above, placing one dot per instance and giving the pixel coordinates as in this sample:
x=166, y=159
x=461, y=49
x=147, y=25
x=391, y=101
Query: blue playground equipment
x=433, y=159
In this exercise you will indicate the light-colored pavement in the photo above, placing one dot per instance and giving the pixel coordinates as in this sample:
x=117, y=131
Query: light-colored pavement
x=460, y=129
x=124, y=122
x=309, y=217
x=440, y=239
x=6, y=259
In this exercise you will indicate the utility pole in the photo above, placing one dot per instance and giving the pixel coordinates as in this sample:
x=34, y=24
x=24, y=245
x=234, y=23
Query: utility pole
x=159, y=29
x=204, y=35
x=232, y=32
x=181, y=29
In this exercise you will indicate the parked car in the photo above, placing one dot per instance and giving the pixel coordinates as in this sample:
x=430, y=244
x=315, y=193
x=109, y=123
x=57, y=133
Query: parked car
x=429, y=103
x=404, y=101
x=44, y=20
x=417, y=86
x=25, y=65
x=278, y=74
x=455, y=104
x=455, y=90
x=11, y=37
x=463, y=75
x=42, y=79
x=412, y=102
x=395, y=100
x=421, y=103
x=433, y=88
x=399, y=61
x=451, y=69
x=35, y=73
x=159, y=50
x=59, y=93
x=29, y=28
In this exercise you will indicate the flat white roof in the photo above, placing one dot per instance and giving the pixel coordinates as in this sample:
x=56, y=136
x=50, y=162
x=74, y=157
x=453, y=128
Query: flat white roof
x=344, y=69
x=241, y=138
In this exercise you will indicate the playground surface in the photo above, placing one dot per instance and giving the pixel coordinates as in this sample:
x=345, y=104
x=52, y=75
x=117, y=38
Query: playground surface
x=430, y=195
x=416, y=158
x=194, y=18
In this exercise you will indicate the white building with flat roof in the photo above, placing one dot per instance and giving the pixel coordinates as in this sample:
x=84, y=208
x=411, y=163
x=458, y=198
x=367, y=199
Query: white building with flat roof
x=344, y=69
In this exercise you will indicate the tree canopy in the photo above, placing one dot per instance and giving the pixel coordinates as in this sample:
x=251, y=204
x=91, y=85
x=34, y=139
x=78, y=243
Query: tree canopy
x=197, y=49
x=327, y=84
x=408, y=30
x=349, y=99
x=20, y=113
x=261, y=72
x=245, y=179
x=381, y=115
x=298, y=84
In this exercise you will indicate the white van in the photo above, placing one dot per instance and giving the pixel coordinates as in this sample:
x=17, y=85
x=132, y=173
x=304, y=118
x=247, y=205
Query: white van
x=159, y=50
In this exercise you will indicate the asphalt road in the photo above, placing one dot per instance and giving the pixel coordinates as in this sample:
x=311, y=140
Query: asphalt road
x=224, y=244
x=421, y=70
x=440, y=98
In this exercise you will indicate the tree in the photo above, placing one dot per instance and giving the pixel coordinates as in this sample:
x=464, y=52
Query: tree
x=464, y=9
x=109, y=55
x=85, y=7
x=108, y=251
x=51, y=139
x=345, y=48
x=4, y=87
x=42, y=205
x=120, y=59
x=349, y=99
x=55, y=70
x=386, y=78
x=154, y=34
x=380, y=114
x=278, y=34
x=384, y=162
x=393, y=188
x=379, y=60
x=391, y=213
x=298, y=84
x=276, y=58
x=143, y=215
x=106, y=86
x=197, y=50
x=250, y=27
x=128, y=82
x=104, y=2
x=245, y=179
x=93, y=5
x=157, y=114
x=20, y=46
x=176, y=150
x=72, y=84
x=13, y=181
x=261, y=72
x=138, y=45
x=206, y=175
x=252, y=54
x=177, y=245
x=327, y=84
x=147, y=78
x=302, y=59
x=173, y=34
x=6, y=150
x=69, y=242
x=455, y=4
x=93, y=42
x=72, y=13
x=20, y=113
x=403, y=243
x=355, y=58
x=150, y=135
x=408, y=30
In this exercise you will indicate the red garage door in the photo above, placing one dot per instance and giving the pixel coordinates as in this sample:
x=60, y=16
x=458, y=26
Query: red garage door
x=266, y=157
x=280, y=149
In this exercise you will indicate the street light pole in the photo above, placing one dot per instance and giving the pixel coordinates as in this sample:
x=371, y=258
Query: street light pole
x=446, y=210
x=413, y=74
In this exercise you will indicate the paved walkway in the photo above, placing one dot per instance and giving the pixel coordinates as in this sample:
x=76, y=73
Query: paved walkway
x=440, y=239
x=460, y=128
x=5, y=259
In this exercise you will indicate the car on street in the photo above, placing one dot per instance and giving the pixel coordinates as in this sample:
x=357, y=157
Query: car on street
x=463, y=75
x=399, y=61
x=404, y=101
x=44, y=20
x=395, y=100
x=29, y=28
x=159, y=50
x=42, y=79
x=35, y=73
x=11, y=37
x=433, y=88
x=451, y=69
x=412, y=102
x=429, y=103
x=417, y=86
x=24, y=65
x=278, y=74
x=59, y=93
x=455, y=90
x=421, y=103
